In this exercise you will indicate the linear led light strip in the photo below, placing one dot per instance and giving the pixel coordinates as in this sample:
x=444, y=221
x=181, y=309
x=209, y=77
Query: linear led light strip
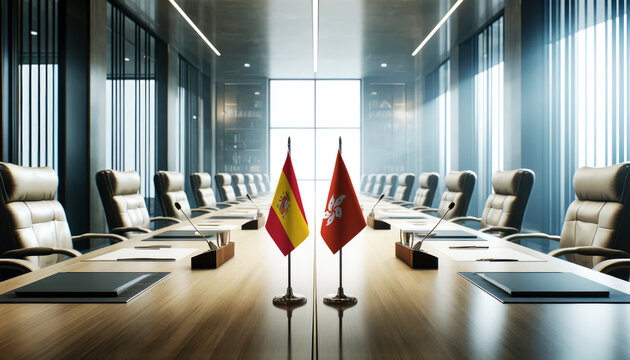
x=437, y=27
x=192, y=25
x=315, y=33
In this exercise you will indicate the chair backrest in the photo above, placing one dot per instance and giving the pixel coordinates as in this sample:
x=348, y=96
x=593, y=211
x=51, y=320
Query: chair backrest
x=506, y=206
x=459, y=189
x=169, y=189
x=224, y=187
x=260, y=183
x=123, y=204
x=600, y=216
x=405, y=185
x=266, y=182
x=364, y=178
x=427, y=185
x=391, y=181
x=369, y=186
x=31, y=216
x=202, y=189
x=379, y=184
x=238, y=182
x=250, y=182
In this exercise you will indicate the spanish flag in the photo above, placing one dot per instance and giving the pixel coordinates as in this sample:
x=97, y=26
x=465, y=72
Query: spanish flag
x=286, y=223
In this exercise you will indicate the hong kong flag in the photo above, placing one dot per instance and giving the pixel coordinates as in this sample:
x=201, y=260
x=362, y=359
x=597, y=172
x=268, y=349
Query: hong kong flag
x=343, y=218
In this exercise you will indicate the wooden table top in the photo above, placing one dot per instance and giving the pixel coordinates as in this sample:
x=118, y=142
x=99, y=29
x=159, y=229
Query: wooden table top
x=401, y=313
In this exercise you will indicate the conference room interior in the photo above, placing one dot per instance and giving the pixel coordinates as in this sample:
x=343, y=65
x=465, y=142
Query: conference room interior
x=399, y=87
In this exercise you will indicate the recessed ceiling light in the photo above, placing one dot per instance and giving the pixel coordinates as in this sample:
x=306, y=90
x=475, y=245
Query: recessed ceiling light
x=315, y=34
x=126, y=59
x=437, y=27
x=192, y=25
x=33, y=32
x=246, y=65
x=256, y=93
x=383, y=65
x=374, y=93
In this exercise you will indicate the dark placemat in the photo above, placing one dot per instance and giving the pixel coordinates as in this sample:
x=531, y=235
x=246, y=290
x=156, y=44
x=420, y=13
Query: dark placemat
x=126, y=296
x=615, y=297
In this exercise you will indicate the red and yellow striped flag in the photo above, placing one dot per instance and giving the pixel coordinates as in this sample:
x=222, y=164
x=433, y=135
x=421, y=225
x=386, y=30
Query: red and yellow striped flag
x=286, y=223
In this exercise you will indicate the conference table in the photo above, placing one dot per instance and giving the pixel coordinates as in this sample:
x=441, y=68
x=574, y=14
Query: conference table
x=401, y=312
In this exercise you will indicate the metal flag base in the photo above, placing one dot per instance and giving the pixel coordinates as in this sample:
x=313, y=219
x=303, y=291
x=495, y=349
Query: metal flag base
x=289, y=299
x=340, y=299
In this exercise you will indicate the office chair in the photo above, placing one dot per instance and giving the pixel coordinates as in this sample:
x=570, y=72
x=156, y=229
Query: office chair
x=391, y=182
x=459, y=188
x=204, y=193
x=124, y=206
x=427, y=186
x=403, y=190
x=225, y=189
x=266, y=183
x=505, y=208
x=379, y=184
x=369, y=185
x=169, y=189
x=597, y=222
x=238, y=182
x=260, y=184
x=364, y=178
x=34, y=231
x=250, y=184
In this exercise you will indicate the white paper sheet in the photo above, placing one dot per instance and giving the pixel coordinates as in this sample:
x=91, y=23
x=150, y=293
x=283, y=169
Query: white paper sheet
x=145, y=255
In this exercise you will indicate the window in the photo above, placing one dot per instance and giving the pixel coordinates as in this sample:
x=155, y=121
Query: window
x=588, y=61
x=35, y=142
x=131, y=100
x=488, y=113
x=315, y=114
x=437, y=110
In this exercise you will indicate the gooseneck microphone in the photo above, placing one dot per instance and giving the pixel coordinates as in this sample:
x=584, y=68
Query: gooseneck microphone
x=377, y=201
x=250, y=199
x=211, y=245
x=419, y=244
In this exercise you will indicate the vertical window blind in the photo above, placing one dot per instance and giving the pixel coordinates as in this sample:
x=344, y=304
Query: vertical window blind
x=587, y=54
x=35, y=79
x=131, y=99
x=436, y=109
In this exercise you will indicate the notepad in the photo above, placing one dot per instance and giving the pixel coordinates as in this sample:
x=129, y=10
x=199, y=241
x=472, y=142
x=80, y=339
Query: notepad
x=81, y=284
x=545, y=284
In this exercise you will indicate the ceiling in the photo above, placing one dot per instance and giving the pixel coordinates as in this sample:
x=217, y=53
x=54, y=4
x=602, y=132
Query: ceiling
x=275, y=36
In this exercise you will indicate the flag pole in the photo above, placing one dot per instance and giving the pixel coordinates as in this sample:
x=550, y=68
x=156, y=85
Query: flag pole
x=289, y=299
x=340, y=299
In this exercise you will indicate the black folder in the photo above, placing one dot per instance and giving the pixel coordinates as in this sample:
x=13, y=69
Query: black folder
x=545, y=284
x=447, y=234
x=81, y=284
x=187, y=233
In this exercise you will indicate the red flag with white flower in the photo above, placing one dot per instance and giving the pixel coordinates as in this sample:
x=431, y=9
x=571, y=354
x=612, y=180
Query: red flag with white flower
x=343, y=218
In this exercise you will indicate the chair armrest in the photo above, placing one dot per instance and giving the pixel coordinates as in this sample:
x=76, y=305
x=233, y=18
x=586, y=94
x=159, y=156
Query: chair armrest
x=591, y=251
x=398, y=202
x=39, y=251
x=426, y=209
x=531, y=236
x=165, y=218
x=127, y=229
x=612, y=265
x=503, y=229
x=115, y=238
x=19, y=266
x=465, y=218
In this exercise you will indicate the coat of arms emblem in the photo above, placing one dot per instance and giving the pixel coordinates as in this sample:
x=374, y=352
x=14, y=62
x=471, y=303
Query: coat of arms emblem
x=283, y=204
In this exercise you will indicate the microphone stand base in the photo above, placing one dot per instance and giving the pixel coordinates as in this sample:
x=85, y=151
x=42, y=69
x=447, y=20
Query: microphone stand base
x=377, y=224
x=212, y=259
x=254, y=224
x=416, y=259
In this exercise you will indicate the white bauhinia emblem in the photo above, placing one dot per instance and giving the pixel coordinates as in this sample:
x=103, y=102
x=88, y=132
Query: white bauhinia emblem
x=334, y=209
